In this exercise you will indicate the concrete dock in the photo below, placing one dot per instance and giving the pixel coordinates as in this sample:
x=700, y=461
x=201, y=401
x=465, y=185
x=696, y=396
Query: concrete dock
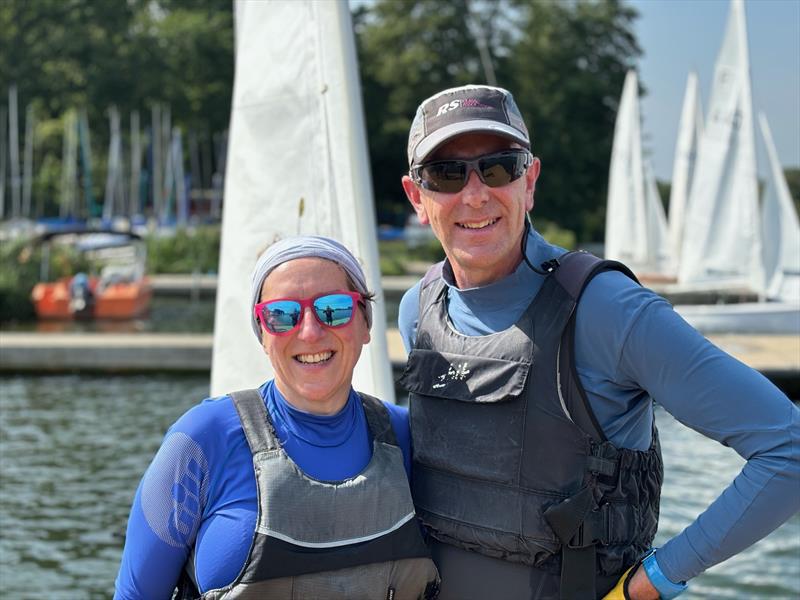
x=776, y=356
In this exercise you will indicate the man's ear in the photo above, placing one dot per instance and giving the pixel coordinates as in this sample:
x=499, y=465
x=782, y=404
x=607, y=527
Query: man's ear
x=413, y=195
x=531, y=175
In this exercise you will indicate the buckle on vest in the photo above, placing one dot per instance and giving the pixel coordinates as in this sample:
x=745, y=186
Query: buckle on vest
x=595, y=529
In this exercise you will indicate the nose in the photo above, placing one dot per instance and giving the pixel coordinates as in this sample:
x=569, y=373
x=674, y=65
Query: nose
x=475, y=193
x=310, y=329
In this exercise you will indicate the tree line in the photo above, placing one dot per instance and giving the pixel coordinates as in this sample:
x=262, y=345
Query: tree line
x=564, y=61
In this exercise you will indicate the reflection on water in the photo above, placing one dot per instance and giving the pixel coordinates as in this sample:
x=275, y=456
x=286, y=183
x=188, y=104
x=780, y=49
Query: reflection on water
x=72, y=450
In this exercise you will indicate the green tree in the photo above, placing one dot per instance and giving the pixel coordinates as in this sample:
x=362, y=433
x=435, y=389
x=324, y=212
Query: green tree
x=407, y=52
x=564, y=61
x=90, y=54
x=567, y=72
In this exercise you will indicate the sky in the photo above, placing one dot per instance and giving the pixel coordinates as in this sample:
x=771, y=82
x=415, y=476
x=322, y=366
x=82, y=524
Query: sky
x=682, y=35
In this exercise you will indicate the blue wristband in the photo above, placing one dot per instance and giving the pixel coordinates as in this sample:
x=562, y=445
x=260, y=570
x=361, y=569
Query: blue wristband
x=666, y=588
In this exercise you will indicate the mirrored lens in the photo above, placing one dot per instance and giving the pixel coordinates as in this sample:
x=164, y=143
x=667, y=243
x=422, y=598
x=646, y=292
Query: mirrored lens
x=494, y=170
x=497, y=170
x=334, y=310
x=446, y=176
x=281, y=316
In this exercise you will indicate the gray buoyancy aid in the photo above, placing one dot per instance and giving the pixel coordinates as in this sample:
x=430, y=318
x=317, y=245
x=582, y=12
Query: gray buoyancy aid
x=509, y=461
x=354, y=539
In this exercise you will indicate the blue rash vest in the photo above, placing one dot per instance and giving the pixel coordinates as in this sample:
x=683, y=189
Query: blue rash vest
x=200, y=488
x=631, y=348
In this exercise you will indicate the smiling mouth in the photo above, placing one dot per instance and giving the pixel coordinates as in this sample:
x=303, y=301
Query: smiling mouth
x=478, y=224
x=314, y=359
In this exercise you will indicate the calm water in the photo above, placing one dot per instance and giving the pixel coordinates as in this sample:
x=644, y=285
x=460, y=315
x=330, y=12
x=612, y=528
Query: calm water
x=72, y=450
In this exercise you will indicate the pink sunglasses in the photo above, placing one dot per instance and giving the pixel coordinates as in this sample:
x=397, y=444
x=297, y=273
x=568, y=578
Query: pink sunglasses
x=282, y=316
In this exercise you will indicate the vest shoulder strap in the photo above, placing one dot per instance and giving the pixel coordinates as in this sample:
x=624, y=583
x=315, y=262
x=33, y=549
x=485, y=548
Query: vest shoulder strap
x=432, y=274
x=378, y=420
x=577, y=268
x=575, y=271
x=255, y=420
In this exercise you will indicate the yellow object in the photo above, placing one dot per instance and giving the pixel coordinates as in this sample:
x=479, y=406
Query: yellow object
x=618, y=592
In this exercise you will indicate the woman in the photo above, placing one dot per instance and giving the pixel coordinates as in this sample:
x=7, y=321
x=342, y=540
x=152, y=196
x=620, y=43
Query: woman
x=298, y=489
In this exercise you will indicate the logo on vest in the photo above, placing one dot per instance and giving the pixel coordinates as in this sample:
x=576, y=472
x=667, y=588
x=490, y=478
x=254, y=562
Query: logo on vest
x=457, y=372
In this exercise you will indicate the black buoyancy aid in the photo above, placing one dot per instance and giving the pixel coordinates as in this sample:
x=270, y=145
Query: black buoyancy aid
x=351, y=539
x=509, y=460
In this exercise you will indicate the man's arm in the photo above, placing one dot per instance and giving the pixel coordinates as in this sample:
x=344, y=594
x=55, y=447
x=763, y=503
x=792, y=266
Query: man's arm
x=653, y=349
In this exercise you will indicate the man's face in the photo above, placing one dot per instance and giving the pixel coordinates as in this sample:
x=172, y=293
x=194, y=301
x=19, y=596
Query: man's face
x=480, y=228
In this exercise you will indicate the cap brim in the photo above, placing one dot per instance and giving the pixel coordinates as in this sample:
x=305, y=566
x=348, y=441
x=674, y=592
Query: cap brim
x=440, y=136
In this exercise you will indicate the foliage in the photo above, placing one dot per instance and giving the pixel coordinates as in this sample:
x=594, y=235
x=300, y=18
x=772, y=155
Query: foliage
x=565, y=62
x=21, y=269
x=407, y=52
x=556, y=235
x=194, y=250
x=397, y=258
x=132, y=54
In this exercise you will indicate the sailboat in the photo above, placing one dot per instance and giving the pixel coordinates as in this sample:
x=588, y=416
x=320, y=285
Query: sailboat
x=723, y=242
x=636, y=227
x=297, y=164
x=781, y=227
x=721, y=246
x=690, y=130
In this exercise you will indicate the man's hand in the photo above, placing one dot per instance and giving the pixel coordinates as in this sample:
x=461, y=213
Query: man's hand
x=636, y=587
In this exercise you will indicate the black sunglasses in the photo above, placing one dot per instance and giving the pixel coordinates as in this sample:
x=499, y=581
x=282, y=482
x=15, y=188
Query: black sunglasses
x=450, y=176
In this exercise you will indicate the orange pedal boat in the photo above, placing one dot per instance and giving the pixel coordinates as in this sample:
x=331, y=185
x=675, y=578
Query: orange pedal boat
x=115, y=288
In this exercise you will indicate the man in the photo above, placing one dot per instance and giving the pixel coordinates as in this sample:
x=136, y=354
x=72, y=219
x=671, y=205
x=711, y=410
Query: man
x=537, y=470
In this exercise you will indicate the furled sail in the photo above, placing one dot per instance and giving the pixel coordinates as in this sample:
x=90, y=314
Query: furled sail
x=297, y=164
x=689, y=132
x=722, y=237
x=781, y=228
x=636, y=231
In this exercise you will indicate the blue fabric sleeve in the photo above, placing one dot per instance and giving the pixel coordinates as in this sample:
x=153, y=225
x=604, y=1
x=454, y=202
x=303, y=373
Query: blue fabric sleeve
x=402, y=431
x=407, y=315
x=630, y=340
x=632, y=348
x=200, y=491
x=199, y=484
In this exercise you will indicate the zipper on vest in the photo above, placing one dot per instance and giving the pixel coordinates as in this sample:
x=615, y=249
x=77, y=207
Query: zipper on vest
x=390, y=593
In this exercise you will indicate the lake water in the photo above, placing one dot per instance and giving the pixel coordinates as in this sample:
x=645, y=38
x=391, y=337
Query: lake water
x=73, y=447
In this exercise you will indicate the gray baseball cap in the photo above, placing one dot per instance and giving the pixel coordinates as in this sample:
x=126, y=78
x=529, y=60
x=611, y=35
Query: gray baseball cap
x=465, y=109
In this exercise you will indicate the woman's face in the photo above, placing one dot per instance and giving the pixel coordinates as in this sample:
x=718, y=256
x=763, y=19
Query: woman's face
x=313, y=364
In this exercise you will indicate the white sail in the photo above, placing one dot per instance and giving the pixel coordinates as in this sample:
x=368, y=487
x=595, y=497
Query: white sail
x=690, y=130
x=635, y=222
x=722, y=238
x=297, y=163
x=781, y=228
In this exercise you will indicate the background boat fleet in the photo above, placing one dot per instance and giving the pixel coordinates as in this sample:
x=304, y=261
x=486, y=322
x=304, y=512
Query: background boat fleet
x=146, y=186
x=718, y=238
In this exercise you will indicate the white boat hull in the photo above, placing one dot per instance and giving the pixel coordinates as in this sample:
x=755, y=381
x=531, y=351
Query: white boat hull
x=745, y=317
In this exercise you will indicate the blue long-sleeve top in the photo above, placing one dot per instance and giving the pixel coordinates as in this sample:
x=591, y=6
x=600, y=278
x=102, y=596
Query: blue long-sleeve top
x=200, y=489
x=632, y=348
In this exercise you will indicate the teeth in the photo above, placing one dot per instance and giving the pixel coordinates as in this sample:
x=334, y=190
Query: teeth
x=314, y=358
x=478, y=225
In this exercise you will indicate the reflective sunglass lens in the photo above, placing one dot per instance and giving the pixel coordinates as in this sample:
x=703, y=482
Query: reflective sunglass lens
x=447, y=176
x=498, y=171
x=334, y=310
x=494, y=170
x=281, y=316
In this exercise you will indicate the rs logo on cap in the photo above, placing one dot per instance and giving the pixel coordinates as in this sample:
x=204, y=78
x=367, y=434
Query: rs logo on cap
x=448, y=106
x=454, y=104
